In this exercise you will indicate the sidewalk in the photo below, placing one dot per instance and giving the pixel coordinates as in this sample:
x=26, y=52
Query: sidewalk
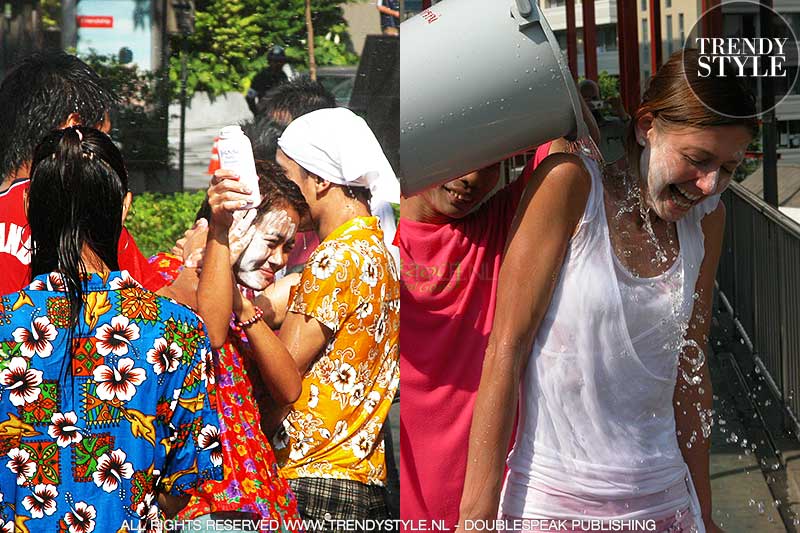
x=753, y=458
x=204, y=119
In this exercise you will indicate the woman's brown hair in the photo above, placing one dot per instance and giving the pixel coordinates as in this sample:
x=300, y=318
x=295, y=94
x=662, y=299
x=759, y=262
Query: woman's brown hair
x=678, y=97
x=276, y=190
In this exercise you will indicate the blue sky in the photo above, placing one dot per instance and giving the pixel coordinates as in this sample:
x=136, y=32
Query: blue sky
x=108, y=41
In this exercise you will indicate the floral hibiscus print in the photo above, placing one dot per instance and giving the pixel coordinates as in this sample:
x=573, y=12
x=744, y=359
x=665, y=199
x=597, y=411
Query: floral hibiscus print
x=115, y=337
x=20, y=382
x=37, y=339
x=85, y=440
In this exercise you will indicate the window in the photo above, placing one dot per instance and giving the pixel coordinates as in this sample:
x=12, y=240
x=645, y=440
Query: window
x=670, y=44
x=606, y=38
x=644, y=39
x=781, y=85
x=644, y=5
x=669, y=3
x=681, y=33
x=789, y=134
x=794, y=21
x=561, y=37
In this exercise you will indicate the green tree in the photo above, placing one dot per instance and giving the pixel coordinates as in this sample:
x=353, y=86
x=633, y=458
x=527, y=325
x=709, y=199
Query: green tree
x=50, y=11
x=609, y=85
x=232, y=37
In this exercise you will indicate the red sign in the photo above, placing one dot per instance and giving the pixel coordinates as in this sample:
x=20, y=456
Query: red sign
x=85, y=21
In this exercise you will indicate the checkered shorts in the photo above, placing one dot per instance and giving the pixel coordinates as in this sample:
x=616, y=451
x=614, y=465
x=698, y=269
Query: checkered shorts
x=326, y=499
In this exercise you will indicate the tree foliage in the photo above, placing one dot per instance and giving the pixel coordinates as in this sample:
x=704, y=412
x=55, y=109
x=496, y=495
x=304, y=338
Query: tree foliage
x=232, y=38
x=156, y=220
x=139, y=123
x=609, y=85
x=50, y=11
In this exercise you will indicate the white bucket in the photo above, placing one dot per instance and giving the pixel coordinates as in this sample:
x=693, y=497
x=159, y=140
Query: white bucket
x=480, y=80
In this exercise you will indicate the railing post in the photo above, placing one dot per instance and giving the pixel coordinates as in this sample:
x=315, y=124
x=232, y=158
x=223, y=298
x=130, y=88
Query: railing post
x=628, y=39
x=769, y=133
x=572, y=39
x=589, y=41
x=655, y=36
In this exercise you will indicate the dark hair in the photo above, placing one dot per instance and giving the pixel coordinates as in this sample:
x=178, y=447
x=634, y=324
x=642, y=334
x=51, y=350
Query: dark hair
x=275, y=189
x=38, y=95
x=263, y=133
x=291, y=99
x=78, y=184
x=678, y=97
x=362, y=194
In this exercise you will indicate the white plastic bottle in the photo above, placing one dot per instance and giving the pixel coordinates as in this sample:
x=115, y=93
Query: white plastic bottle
x=236, y=155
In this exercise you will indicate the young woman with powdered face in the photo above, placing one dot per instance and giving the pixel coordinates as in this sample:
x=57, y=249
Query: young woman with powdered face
x=606, y=290
x=244, y=251
x=266, y=253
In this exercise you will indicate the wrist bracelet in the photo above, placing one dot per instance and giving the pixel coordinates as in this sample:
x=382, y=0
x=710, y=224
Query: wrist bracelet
x=247, y=323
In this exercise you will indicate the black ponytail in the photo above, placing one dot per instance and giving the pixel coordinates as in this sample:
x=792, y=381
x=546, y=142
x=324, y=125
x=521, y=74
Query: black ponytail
x=78, y=185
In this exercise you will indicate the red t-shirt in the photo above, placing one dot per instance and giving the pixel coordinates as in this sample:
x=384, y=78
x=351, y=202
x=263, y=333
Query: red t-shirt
x=15, y=246
x=447, y=298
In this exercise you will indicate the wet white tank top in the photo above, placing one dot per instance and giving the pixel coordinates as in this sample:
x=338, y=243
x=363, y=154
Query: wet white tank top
x=596, y=433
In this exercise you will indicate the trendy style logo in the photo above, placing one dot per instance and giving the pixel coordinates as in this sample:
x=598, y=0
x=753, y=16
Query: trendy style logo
x=760, y=58
x=765, y=61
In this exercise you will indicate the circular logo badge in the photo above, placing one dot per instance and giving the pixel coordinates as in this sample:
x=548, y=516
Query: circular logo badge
x=760, y=62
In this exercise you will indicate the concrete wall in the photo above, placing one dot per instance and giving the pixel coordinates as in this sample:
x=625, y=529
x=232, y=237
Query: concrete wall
x=362, y=19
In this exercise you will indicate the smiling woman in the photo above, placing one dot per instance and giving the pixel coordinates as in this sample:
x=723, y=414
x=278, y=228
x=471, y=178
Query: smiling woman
x=603, y=312
x=247, y=247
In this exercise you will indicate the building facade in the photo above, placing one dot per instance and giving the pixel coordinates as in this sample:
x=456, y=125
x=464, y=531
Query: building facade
x=605, y=14
x=678, y=18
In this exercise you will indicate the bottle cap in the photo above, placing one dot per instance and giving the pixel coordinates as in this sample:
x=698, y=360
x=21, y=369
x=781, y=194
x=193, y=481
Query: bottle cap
x=230, y=131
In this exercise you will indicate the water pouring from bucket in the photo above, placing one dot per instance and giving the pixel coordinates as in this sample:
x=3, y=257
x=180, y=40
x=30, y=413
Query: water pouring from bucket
x=480, y=81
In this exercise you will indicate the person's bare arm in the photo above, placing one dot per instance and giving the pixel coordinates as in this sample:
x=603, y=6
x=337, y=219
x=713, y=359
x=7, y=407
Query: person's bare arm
x=305, y=338
x=693, y=398
x=215, y=290
x=274, y=301
x=190, y=248
x=275, y=364
x=389, y=11
x=184, y=289
x=172, y=505
x=591, y=123
x=563, y=145
x=550, y=210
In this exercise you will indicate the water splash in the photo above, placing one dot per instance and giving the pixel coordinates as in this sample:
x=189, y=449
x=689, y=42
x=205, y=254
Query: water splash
x=695, y=363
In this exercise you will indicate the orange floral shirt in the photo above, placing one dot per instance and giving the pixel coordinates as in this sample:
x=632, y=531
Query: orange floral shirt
x=350, y=285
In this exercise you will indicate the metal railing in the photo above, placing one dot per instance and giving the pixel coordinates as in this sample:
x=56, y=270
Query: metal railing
x=759, y=276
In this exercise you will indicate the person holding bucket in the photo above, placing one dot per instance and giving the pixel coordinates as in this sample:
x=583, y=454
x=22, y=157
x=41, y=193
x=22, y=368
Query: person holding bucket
x=451, y=241
x=605, y=296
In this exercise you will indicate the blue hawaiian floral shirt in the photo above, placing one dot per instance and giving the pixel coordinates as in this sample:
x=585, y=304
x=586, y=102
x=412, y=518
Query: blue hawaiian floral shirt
x=88, y=440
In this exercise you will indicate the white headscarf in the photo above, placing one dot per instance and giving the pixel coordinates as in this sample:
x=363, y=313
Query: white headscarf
x=338, y=146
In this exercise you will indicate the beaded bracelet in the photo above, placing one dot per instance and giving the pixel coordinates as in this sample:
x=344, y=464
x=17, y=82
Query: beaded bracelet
x=247, y=323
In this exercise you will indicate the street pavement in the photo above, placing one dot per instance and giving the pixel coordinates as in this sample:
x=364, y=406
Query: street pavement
x=204, y=119
x=754, y=480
